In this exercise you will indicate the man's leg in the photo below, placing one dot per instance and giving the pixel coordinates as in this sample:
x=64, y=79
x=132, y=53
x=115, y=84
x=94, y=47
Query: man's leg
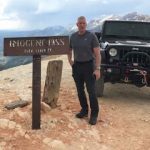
x=79, y=81
x=90, y=85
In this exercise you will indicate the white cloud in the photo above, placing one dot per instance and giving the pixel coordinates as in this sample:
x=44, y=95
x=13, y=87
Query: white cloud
x=94, y=0
x=50, y=6
x=8, y=21
x=8, y=24
x=105, y=2
x=29, y=14
x=45, y=7
x=3, y=4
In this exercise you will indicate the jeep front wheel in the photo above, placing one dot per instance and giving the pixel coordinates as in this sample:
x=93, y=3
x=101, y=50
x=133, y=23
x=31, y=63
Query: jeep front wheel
x=100, y=87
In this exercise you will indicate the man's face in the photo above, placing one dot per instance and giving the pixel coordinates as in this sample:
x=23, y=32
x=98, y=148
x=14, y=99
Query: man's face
x=81, y=24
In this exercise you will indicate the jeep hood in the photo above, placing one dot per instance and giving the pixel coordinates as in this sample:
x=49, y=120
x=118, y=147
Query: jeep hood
x=121, y=42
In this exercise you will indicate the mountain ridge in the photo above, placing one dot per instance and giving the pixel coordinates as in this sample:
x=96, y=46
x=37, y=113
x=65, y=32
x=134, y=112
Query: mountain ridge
x=93, y=25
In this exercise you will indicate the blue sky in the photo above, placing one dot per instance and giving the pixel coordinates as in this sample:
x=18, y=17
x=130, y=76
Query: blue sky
x=39, y=14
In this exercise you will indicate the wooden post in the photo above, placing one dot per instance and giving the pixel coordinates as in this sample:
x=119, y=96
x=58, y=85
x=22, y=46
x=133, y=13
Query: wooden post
x=36, y=92
x=52, y=83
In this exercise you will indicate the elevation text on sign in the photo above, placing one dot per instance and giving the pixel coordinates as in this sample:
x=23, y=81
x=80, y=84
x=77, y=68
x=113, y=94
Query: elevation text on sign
x=53, y=45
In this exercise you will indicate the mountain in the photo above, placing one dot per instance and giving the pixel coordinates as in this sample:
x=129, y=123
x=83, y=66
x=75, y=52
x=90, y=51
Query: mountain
x=136, y=17
x=49, y=31
x=93, y=25
x=96, y=24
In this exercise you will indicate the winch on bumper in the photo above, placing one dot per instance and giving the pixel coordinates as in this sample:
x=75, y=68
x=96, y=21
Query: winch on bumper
x=130, y=70
x=138, y=77
x=125, y=63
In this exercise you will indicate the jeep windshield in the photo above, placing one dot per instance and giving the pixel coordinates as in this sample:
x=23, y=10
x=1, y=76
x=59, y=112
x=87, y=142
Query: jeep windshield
x=126, y=30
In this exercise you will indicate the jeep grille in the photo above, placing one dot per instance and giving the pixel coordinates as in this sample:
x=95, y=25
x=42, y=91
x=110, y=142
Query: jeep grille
x=141, y=57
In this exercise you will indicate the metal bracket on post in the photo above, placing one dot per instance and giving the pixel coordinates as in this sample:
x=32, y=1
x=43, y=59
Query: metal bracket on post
x=36, y=92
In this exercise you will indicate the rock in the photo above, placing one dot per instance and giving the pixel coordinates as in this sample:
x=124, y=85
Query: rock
x=3, y=143
x=93, y=132
x=30, y=107
x=109, y=138
x=11, y=115
x=17, y=103
x=145, y=120
x=76, y=146
x=4, y=123
x=52, y=83
x=22, y=132
x=27, y=136
x=65, y=134
x=63, y=107
x=105, y=125
x=24, y=115
x=47, y=141
x=75, y=122
x=18, y=127
x=6, y=78
x=33, y=142
x=16, y=134
x=70, y=126
x=11, y=124
x=52, y=123
x=61, y=121
x=113, y=108
x=83, y=139
x=57, y=144
x=12, y=80
x=111, y=123
x=45, y=107
x=81, y=131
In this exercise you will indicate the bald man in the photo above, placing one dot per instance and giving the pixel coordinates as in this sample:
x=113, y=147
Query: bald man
x=85, y=68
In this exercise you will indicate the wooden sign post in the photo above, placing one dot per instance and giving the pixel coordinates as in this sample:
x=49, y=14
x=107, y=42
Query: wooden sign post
x=36, y=92
x=36, y=46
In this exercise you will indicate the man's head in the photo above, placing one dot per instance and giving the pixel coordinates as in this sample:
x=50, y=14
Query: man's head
x=81, y=24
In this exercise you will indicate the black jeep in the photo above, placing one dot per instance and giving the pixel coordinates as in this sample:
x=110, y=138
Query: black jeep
x=125, y=51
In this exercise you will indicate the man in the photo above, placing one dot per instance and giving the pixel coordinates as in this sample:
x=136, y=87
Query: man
x=85, y=67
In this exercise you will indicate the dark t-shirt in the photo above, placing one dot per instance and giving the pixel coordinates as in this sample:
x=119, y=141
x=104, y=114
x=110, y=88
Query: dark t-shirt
x=82, y=46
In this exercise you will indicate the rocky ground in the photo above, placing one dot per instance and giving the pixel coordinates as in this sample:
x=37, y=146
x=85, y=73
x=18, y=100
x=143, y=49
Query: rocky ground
x=123, y=123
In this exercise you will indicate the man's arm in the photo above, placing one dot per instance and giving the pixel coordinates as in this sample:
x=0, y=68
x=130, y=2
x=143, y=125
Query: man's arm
x=97, y=54
x=97, y=57
x=70, y=57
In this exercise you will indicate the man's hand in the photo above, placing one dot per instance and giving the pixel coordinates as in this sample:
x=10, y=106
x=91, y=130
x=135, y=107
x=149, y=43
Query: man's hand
x=70, y=57
x=97, y=74
x=71, y=63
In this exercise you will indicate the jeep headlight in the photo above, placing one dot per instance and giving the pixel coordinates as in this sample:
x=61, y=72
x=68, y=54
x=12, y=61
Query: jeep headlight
x=113, y=52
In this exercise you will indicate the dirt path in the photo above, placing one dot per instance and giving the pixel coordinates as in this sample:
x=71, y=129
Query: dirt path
x=123, y=124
